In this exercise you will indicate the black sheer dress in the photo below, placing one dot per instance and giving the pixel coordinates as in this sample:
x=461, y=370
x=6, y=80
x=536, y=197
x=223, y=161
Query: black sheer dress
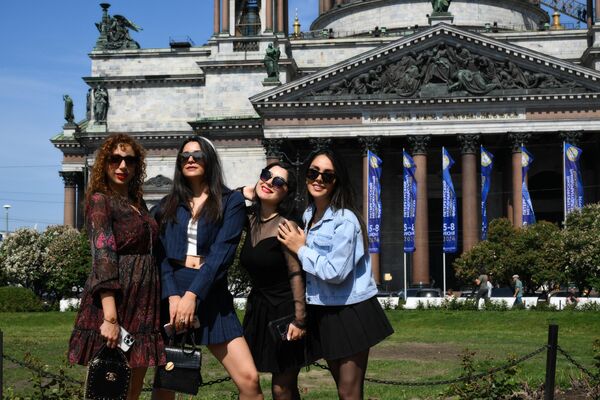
x=277, y=291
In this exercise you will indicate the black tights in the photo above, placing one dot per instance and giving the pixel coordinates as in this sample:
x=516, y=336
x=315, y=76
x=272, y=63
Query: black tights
x=285, y=385
x=349, y=375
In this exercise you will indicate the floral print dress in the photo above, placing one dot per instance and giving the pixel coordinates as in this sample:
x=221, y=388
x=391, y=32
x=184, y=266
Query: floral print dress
x=121, y=238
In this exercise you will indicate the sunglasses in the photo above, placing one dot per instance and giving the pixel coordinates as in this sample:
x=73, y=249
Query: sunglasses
x=277, y=181
x=115, y=160
x=326, y=177
x=196, y=155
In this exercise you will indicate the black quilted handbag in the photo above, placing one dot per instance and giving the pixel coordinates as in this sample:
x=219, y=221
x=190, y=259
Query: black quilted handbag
x=181, y=373
x=108, y=375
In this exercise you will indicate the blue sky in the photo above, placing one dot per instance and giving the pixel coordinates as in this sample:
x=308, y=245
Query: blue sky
x=44, y=54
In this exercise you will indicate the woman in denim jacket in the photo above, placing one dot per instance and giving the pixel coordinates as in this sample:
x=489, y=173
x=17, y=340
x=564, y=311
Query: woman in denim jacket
x=201, y=222
x=344, y=317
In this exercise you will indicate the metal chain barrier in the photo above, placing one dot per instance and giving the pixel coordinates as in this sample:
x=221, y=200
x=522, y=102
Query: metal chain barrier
x=577, y=364
x=43, y=372
x=456, y=380
x=491, y=371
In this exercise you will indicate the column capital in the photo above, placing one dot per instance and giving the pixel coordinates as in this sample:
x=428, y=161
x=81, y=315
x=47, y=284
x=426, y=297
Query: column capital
x=517, y=139
x=369, y=143
x=71, y=178
x=419, y=144
x=273, y=147
x=319, y=144
x=469, y=144
x=571, y=137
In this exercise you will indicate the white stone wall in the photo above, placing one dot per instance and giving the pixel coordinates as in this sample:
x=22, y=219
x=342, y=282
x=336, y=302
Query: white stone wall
x=567, y=45
x=149, y=62
x=241, y=166
x=227, y=92
x=152, y=109
x=310, y=54
x=398, y=14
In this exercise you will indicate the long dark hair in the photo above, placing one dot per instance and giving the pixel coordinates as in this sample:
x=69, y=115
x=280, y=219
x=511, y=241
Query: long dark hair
x=343, y=195
x=181, y=194
x=287, y=207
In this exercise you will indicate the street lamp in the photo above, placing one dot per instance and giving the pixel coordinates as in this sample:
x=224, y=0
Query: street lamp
x=7, y=207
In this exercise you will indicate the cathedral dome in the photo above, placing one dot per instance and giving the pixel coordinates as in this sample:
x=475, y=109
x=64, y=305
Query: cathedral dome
x=353, y=17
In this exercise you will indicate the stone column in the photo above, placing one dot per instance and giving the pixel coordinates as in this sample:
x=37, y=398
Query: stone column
x=320, y=144
x=280, y=16
x=571, y=137
x=272, y=149
x=469, y=144
x=321, y=6
x=420, y=267
x=597, y=8
x=225, y=21
x=217, y=17
x=369, y=143
x=327, y=5
x=80, y=201
x=70, y=180
x=517, y=139
x=269, y=12
x=339, y=2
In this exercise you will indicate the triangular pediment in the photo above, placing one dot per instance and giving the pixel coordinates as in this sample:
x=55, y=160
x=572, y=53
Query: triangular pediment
x=440, y=62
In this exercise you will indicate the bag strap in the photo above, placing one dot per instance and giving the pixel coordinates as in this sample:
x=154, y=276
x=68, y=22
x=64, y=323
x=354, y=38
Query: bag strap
x=106, y=353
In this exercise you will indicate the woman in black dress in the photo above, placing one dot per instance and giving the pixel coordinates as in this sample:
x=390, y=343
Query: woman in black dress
x=277, y=283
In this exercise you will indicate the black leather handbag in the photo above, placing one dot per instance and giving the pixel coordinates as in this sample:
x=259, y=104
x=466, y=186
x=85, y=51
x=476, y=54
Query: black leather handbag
x=279, y=327
x=108, y=375
x=181, y=373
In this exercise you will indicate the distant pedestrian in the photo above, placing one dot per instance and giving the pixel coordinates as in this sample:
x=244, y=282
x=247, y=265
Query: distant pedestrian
x=489, y=287
x=518, y=290
x=482, y=290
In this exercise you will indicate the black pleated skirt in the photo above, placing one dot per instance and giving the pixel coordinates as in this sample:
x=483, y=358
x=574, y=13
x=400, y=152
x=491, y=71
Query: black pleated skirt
x=341, y=331
x=272, y=355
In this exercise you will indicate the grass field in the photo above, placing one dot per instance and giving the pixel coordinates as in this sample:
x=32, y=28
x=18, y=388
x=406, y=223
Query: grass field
x=426, y=345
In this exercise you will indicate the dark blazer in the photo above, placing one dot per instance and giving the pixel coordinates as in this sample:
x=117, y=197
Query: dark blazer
x=216, y=242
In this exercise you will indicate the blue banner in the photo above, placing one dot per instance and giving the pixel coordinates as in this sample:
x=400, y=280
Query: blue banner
x=572, y=178
x=487, y=163
x=374, y=202
x=410, y=202
x=450, y=222
x=528, y=214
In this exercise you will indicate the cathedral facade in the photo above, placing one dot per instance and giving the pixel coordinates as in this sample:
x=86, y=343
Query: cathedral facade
x=379, y=75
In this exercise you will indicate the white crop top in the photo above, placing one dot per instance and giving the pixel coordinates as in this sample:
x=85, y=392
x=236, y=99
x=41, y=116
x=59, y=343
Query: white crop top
x=192, y=238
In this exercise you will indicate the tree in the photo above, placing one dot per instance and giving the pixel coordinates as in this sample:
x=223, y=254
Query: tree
x=21, y=260
x=67, y=258
x=534, y=253
x=581, y=251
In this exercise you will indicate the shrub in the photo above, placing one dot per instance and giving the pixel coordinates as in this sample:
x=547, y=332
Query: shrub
x=543, y=306
x=67, y=259
x=19, y=299
x=21, y=260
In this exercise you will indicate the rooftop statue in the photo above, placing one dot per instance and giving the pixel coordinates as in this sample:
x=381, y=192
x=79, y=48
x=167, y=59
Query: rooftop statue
x=69, y=116
x=271, y=61
x=114, y=32
x=440, y=6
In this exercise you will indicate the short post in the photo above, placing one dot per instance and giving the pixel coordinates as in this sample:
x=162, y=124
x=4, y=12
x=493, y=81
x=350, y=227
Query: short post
x=551, y=362
x=1, y=364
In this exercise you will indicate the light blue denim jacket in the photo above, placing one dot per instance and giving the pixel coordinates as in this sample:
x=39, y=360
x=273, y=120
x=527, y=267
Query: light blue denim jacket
x=338, y=271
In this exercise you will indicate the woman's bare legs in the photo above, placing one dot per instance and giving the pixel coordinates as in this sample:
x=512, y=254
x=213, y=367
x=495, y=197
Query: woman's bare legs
x=237, y=360
x=285, y=385
x=349, y=375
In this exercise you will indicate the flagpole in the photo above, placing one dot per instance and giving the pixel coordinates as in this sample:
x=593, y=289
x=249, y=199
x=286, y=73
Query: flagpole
x=405, y=279
x=444, y=263
x=564, y=186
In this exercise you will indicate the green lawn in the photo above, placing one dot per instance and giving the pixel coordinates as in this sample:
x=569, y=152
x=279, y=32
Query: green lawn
x=425, y=346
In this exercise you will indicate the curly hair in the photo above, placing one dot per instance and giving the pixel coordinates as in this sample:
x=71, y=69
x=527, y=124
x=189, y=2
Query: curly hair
x=99, y=181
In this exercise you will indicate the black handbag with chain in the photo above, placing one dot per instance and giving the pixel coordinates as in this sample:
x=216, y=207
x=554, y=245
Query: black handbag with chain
x=108, y=375
x=181, y=373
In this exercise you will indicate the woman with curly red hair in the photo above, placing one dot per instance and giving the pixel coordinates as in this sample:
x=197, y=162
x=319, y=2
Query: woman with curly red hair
x=123, y=288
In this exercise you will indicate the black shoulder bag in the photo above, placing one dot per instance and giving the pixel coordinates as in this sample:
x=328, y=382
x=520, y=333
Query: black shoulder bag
x=108, y=375
x=181, y=373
